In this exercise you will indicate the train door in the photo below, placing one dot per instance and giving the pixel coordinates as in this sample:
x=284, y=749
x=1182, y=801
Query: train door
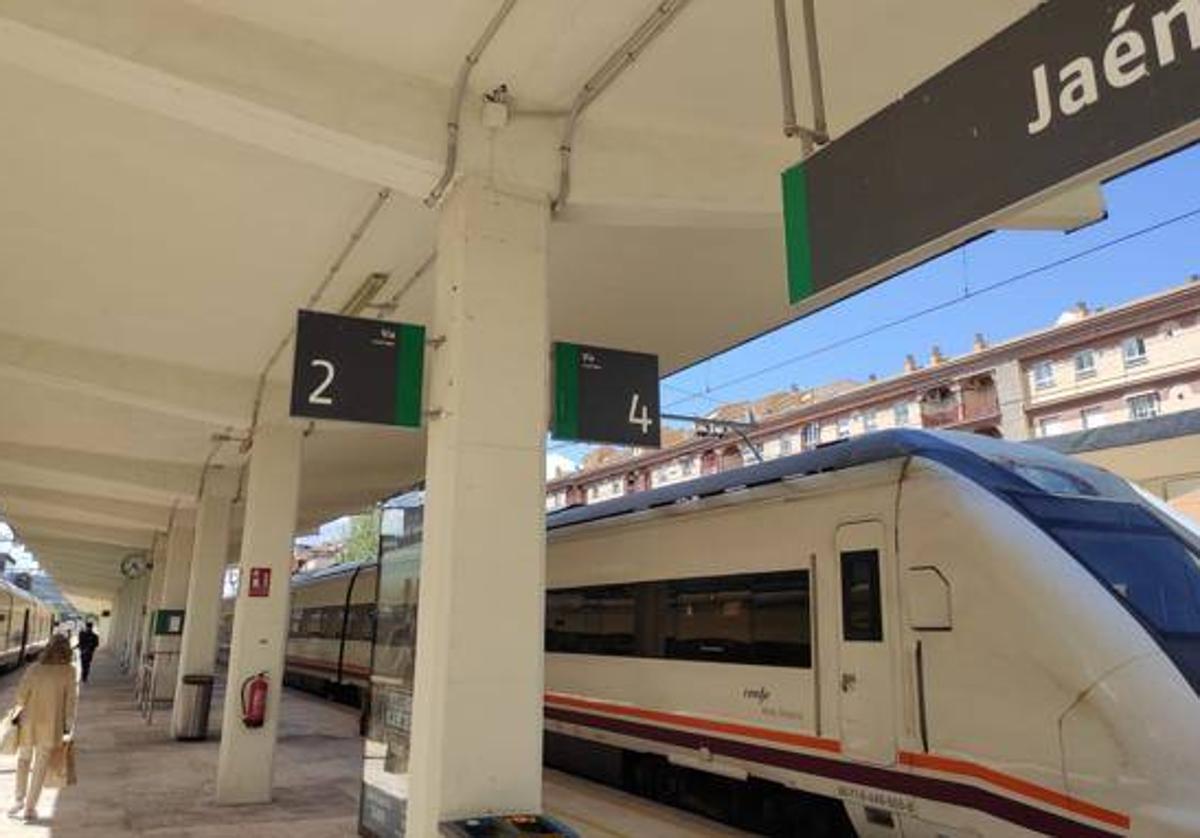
x=24, y=635
x=866, y=688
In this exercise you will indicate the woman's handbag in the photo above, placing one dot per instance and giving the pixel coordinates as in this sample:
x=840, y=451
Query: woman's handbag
x=10, y=732
x=61, y=770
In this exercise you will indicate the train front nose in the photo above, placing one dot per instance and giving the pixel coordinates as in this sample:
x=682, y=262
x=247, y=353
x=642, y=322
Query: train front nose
x=1131, y=745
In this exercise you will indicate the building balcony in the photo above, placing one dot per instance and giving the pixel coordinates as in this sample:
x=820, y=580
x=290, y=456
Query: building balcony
x=967, y=404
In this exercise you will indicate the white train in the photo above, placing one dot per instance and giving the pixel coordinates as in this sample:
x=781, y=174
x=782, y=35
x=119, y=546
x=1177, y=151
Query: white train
x=25, y=625
x=906, y=634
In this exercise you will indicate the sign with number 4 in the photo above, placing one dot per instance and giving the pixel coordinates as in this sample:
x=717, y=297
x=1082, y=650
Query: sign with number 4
x=606, y=395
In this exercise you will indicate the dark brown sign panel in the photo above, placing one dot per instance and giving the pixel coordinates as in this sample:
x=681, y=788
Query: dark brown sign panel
x=1068, y=88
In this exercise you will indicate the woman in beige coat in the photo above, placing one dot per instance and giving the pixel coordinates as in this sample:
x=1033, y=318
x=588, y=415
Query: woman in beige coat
x=46, y=697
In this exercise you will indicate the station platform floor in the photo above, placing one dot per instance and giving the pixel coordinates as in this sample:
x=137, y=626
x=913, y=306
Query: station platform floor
x=135, y=780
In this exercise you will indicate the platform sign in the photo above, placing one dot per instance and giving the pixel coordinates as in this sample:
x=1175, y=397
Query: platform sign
x=358, y=370
x=168, y=621
x=606, y=395
x=1076, y=90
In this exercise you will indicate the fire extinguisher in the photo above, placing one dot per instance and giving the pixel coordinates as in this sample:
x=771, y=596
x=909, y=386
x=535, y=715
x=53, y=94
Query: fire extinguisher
x=254, y=700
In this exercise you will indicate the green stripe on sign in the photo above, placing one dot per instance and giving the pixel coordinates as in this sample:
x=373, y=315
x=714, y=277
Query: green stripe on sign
x=410, y=375
x=796, y=233
x=566, y=392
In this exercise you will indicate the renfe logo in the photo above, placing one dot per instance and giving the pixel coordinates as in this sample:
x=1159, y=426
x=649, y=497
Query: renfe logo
x=760, y=695
x=1124, y=62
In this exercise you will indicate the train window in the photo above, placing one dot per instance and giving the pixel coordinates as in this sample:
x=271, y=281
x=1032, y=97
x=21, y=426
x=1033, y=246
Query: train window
x=592, y=621
x=758, y=619
x=781, y=620
x=709, y=619
x=862, y=615
x=333, y=619
x=297, y=621
x=311, y=624
x=358, y=626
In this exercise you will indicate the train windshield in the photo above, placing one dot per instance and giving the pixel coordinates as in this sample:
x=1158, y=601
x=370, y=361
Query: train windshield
x=1141, y=559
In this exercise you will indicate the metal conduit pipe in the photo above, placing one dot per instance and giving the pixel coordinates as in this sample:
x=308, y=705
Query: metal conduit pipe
x=816, y=86
x=356, y=235
x=393, y=302
x=664, y=12
x=456, y=100
x=783, y=47
x=791, y=127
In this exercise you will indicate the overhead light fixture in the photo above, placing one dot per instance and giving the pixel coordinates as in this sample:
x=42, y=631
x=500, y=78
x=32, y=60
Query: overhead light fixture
x=364, y=294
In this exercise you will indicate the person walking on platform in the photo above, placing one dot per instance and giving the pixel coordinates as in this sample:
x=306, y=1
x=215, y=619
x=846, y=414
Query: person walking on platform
x=46, y=701
x=88, y=641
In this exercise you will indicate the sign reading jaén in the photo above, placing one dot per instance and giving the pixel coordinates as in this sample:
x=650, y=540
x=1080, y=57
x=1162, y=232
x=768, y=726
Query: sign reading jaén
x=1076, y=89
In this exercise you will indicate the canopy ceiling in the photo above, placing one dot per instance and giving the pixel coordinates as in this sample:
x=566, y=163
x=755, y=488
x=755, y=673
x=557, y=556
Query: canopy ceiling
x=179, y=179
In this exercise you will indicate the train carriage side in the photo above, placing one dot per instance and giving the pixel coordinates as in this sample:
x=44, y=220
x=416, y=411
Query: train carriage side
x=689, y=657
x=25, y=625
x=962, y=674
x=329, y=638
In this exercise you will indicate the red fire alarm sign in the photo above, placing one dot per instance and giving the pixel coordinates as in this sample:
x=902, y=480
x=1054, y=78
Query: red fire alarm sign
x=260, y=581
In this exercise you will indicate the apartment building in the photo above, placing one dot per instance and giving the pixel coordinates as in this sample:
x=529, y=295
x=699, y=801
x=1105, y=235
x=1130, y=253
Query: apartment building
x=1131, y=362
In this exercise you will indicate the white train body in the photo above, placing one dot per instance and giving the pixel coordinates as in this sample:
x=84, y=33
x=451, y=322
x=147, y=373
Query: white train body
x=908, y=634
x=26, y=624
x=1002, y=688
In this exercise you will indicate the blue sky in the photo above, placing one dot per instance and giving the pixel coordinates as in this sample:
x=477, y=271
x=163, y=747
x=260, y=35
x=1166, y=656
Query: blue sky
x=1120, y=270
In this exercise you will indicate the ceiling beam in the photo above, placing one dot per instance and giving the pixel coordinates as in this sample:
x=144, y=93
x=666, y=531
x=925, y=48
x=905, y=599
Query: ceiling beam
x=18, y=500
x=235, y=80
x=373, y=123
x=93, y=533
x=172, y=481
x=223, y=401
x=54, y=545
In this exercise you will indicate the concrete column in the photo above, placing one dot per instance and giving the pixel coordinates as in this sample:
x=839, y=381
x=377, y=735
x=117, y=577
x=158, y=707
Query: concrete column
x=135, y=624
x=198, y=648
x=173, y=597
x=153, y=591
x=260, y=624
x=116, y=623
x=477, y=712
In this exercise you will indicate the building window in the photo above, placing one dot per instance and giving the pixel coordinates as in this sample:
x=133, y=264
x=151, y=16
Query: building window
x=1133, y=350
x=785, y=446
x=1144, y=406
x=1093, y=417
x=688, y=467
x=1085, y=364
x=870, y=421
x=1043, y=375
x=843, y=428
x=900, y=412
x=1050, y=426
x=812, y=435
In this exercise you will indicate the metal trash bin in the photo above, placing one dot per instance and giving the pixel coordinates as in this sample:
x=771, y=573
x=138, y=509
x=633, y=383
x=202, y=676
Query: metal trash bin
x=196, y=699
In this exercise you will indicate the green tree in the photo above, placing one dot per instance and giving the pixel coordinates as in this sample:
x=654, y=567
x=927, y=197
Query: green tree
x=362, y=544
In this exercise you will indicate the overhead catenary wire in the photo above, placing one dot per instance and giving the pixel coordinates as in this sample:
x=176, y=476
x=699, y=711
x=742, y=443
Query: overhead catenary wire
x=1029, y=273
